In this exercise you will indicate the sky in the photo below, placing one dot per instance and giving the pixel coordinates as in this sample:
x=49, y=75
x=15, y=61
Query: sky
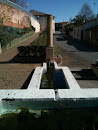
x=63, y=10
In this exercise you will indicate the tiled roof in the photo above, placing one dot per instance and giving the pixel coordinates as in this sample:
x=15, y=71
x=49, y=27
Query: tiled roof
x=62, y=23
x=34, y=12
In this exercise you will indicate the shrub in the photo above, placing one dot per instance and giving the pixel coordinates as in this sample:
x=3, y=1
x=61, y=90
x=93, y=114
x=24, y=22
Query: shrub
x=5, y=38
x=20, y=32
x=26, y=29
x=7, y=33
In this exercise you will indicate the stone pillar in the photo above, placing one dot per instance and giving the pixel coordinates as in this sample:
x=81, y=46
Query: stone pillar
x=49, y=49
x=0, y=48
x=49, y=31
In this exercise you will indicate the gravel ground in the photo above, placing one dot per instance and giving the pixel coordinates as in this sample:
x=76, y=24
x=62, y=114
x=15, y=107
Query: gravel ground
x=15, y=75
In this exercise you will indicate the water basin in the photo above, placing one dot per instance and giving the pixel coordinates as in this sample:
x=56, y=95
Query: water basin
x=53, y=79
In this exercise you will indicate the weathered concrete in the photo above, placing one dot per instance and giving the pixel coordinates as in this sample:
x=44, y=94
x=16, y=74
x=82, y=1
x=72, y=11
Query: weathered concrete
x=35, y=98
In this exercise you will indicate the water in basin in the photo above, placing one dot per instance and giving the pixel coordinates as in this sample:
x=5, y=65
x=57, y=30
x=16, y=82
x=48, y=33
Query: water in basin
x=53, y=79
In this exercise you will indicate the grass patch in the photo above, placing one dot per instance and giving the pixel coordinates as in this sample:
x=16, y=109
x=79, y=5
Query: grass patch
x=41, y=41
x=56, y=51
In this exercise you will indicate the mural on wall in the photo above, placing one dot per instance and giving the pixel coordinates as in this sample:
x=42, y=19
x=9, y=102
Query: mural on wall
x=10, y=16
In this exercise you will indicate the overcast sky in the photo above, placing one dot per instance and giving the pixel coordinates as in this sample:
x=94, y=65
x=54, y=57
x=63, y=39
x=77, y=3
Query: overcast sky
x=61, y=9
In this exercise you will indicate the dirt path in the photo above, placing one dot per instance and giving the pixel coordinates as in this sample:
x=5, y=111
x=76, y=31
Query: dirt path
x=15, y=75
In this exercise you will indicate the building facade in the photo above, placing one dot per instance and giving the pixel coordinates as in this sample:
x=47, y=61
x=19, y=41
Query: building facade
x=78, y=32
x=92, y=31
x=61, y=26
x=87, y=32
x=42, y=17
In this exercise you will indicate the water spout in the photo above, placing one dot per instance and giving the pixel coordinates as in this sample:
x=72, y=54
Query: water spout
x=56, y=95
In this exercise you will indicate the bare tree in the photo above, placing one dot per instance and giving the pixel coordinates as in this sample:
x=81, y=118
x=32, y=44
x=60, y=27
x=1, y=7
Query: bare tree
x=84, y=15
x=86, y=12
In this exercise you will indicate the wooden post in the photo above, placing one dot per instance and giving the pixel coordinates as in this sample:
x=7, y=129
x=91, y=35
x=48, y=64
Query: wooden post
x=49, y=49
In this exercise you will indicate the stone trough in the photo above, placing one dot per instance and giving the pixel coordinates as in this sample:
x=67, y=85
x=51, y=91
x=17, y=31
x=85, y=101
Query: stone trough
x=35, y=98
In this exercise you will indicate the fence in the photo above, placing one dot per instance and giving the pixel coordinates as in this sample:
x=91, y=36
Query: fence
x=17, y=41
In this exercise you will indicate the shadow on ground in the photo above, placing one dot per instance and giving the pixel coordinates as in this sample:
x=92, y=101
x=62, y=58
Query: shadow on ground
x=84, y=74
x=25, y=85
x=28, y=54
x=78, y=44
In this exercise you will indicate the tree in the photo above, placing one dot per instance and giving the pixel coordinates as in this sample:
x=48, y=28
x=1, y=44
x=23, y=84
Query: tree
x=86, y=12
x=84, y=15
x=78, y=19
x=22, y=3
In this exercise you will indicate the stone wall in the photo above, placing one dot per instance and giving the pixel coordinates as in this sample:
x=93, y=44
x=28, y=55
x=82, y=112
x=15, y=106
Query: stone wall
x=13, y=17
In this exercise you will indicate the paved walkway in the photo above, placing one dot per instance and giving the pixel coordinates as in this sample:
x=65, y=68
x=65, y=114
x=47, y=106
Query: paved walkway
x=79, y=65
x=15, y=75
x=77, y=47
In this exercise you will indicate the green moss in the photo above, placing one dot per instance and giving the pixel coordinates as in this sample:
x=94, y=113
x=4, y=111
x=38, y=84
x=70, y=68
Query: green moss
x=44, y=81
x=56, y=51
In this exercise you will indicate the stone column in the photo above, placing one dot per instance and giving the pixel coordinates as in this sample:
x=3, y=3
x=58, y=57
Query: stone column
x=0, y=48
x=49, y=49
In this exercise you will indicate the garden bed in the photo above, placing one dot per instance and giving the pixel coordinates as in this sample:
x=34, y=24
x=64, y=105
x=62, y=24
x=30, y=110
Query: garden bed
x=9, y=36
x=31, y=54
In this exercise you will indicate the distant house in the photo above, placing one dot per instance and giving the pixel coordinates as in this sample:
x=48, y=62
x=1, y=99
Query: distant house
x=61, y=26
x=42, y=17
x=78, y=32
x=91, y=29
x=87, y=31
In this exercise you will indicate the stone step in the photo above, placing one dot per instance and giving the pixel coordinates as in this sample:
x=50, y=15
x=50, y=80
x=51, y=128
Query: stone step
x=84, y=74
